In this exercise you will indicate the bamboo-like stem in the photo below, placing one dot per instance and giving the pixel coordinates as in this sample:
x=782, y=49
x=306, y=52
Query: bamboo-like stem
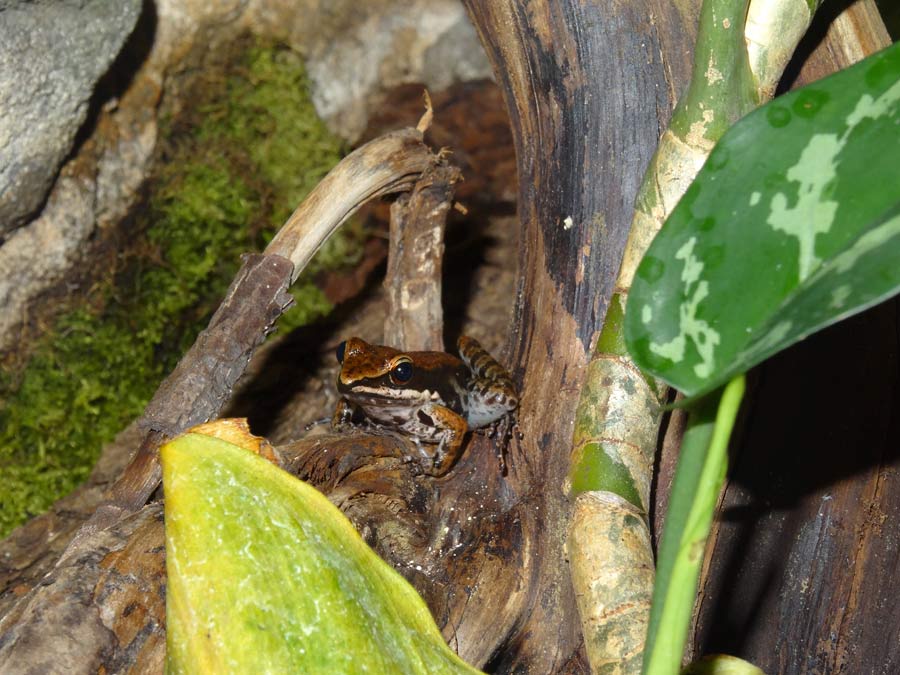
x=618, y=415
x=774, y=27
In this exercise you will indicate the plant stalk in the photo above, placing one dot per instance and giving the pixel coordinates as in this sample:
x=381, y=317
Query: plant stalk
x=618, y=416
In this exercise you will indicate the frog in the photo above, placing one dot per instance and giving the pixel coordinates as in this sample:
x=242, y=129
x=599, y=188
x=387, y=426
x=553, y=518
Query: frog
x=433, y=398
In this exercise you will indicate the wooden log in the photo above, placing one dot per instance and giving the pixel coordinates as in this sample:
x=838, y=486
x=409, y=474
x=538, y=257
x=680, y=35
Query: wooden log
x=587, y=96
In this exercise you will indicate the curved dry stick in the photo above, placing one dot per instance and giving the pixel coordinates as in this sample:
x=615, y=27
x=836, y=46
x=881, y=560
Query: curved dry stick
x=390, y=163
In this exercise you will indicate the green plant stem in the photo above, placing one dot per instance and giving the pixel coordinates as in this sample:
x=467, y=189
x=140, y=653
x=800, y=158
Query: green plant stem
x=607, y=449
x=722, y=88
x=698, y=480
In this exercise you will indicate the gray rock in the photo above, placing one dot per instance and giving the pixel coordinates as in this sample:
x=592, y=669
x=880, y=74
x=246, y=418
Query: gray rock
x=52, y=54
x=427, y=41
x=32, y=256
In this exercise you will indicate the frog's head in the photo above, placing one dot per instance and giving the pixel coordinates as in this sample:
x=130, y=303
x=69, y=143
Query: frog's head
x=361, y=361
x=373, y=373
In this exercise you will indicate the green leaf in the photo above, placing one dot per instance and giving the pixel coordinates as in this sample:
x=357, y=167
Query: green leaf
x=792, y=224
x=695, y=489
x=266, y=575
x=721, y=664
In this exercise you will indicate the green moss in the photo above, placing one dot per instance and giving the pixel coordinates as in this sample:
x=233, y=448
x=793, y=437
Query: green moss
x=252, y=152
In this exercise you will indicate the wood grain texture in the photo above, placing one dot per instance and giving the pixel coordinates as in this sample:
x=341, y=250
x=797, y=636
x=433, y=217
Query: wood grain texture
x=803, y=574
x=99, y=611
x=415, y=320
x=589, y=86
x=841, y=34
x=201, y=384
x=587, y=97
x=64, y=619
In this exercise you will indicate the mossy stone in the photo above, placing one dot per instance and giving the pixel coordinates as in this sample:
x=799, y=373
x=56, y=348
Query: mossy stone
x=253, y=149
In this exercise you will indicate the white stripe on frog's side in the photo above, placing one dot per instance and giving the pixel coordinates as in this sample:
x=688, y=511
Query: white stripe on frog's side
x=390, y=396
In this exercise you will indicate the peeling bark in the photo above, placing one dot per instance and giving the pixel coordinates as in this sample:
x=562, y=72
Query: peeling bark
x=415, y=319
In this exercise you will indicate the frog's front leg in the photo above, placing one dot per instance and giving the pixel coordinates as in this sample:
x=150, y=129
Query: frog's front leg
x=448, y=428
x=343, y=415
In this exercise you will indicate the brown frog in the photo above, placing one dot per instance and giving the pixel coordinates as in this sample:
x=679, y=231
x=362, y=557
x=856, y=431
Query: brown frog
x=431, y=397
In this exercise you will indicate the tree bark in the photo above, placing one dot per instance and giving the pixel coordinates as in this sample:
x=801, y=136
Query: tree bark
x=587, y=97
x=541, y=69
x=802, y=570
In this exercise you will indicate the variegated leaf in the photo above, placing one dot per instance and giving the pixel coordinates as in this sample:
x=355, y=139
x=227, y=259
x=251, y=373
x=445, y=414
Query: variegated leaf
x=792, y=224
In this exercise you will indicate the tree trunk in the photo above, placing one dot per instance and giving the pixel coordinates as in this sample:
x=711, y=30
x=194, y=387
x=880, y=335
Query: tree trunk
x=587, y=97
x=802, y=575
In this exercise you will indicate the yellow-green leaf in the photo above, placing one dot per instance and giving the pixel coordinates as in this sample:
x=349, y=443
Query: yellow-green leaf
x=721, y=664
x=265, y=575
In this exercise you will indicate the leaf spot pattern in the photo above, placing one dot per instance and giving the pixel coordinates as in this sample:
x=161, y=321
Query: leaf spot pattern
x=704, y=337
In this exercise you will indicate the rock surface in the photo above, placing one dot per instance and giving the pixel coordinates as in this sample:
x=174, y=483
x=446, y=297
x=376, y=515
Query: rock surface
x=355, y=53
x=46, y=244
x=429, y=42
x=52, y=56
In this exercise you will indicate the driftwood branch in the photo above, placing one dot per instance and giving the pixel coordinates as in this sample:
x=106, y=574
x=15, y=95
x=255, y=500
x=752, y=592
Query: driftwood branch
x=64, y=623
x=388, y=164
x=415, y=317
x=587, y=94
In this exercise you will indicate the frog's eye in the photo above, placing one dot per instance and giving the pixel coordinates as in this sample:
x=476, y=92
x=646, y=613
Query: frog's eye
x=339, y=352
x=402, y=372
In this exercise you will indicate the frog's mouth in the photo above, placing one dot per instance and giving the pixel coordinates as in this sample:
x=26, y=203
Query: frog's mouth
x=388, y=397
